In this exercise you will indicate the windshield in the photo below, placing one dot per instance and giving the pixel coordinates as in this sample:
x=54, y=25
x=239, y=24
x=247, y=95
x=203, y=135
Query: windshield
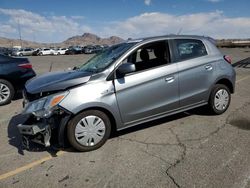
x=102, y=60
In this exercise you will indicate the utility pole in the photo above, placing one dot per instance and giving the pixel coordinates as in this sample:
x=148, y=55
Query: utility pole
x=179, y=32
x=20, y=35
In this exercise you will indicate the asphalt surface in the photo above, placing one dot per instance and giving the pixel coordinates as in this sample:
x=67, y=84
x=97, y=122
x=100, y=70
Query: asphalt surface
x=191, y=149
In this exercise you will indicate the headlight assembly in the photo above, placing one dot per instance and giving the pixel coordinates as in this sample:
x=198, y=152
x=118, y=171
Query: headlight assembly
x=44, y=107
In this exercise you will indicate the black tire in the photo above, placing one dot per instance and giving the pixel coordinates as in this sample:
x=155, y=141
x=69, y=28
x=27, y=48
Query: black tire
x=21, y=54
x=9, y=86
x=72, y=126
x=212, y=106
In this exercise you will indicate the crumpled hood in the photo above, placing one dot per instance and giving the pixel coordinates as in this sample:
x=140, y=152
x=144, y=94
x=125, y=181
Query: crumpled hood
x=55, y=81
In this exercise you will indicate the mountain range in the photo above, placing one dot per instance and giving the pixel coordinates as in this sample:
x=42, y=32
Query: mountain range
x=82, y=40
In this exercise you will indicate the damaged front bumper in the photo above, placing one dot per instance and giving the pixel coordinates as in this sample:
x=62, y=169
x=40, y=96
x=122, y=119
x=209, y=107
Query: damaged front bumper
x=44, y=117
x=39, y=133
x=36, y=130
x=44, y=131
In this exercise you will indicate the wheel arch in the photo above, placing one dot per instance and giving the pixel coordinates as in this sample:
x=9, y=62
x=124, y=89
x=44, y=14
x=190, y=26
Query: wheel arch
x=62, y=131
x=8, y=80
x=226, y=82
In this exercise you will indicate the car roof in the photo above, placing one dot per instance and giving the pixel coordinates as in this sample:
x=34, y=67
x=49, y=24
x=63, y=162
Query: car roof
x=171, y=36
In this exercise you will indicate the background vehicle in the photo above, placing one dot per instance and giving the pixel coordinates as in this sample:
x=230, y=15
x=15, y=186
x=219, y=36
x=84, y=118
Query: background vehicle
x=14, y=72
x=60, y=51
x=125, y=85
x=47, y=51
x=73, y=50
x=6, y=51
x=36, y=52
x=98, y=48
x=24, y=52
x=90, y=49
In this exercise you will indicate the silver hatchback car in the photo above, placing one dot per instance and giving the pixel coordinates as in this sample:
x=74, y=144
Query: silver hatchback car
x=125, y=85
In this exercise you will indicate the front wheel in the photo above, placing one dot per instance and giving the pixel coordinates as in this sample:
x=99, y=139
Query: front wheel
x=6, y=92
x=89, y=130
x=220, y=99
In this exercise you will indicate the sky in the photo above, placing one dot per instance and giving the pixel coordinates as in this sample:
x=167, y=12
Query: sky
x=57, y=20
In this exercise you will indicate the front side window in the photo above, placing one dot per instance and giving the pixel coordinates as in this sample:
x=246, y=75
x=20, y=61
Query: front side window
x=189, y=48
x=149, y=56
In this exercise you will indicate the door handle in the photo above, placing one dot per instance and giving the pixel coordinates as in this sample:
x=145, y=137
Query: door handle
x=208, y=67
x=169, y=79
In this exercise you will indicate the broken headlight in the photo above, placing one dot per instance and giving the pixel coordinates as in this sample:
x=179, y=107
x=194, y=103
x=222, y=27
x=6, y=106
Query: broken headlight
x=44, y=107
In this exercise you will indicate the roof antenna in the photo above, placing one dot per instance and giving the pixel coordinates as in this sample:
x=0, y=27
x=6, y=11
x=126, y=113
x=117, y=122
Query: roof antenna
x=179, y=32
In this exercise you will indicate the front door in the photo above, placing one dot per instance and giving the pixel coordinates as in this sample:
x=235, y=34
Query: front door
x=152, y=90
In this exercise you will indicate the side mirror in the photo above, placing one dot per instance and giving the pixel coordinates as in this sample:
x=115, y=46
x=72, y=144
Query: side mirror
x=126, y=68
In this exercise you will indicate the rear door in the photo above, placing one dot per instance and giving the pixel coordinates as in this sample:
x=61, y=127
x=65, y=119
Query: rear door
x=152, y=90
x=196, y=71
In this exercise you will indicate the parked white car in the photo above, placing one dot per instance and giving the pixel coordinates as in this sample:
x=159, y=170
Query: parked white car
x=61, y=51
x=47, y=51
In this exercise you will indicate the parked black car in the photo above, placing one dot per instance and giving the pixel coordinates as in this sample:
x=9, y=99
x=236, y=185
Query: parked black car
x=90, y=49
x=74, y=50
x=36, y=52
x=98, y=48
x=14, y=72
x=6, y=51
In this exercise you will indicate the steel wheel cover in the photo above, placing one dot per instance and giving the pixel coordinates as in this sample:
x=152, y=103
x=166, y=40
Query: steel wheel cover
x=4, y=92
x=90, y=130
x=221, y=100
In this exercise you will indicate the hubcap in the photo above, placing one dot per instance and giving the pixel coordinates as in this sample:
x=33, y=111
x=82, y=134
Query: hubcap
x=4, y=92
x=221, y=99
x=90, y=130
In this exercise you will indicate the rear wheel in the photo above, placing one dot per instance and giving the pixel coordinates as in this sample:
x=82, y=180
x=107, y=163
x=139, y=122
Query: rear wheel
x=89, y=130
x=6, y=92
x=220, y=99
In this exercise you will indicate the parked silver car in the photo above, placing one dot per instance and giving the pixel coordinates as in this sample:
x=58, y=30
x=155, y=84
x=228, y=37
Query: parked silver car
x=24, y=52
x=125, y=85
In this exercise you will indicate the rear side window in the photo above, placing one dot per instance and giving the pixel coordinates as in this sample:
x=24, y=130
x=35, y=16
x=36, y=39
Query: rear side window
x=189, y=48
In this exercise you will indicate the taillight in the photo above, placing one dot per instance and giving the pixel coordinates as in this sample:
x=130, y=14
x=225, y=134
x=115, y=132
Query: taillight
x=25, y=65
x=228, y=59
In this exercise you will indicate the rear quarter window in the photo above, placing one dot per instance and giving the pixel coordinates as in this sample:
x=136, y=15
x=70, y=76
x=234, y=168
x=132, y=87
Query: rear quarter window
x=188, y=49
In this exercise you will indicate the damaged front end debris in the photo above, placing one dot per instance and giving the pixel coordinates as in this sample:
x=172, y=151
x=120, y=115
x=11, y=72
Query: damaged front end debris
x=38, y=133
x=44, y=116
